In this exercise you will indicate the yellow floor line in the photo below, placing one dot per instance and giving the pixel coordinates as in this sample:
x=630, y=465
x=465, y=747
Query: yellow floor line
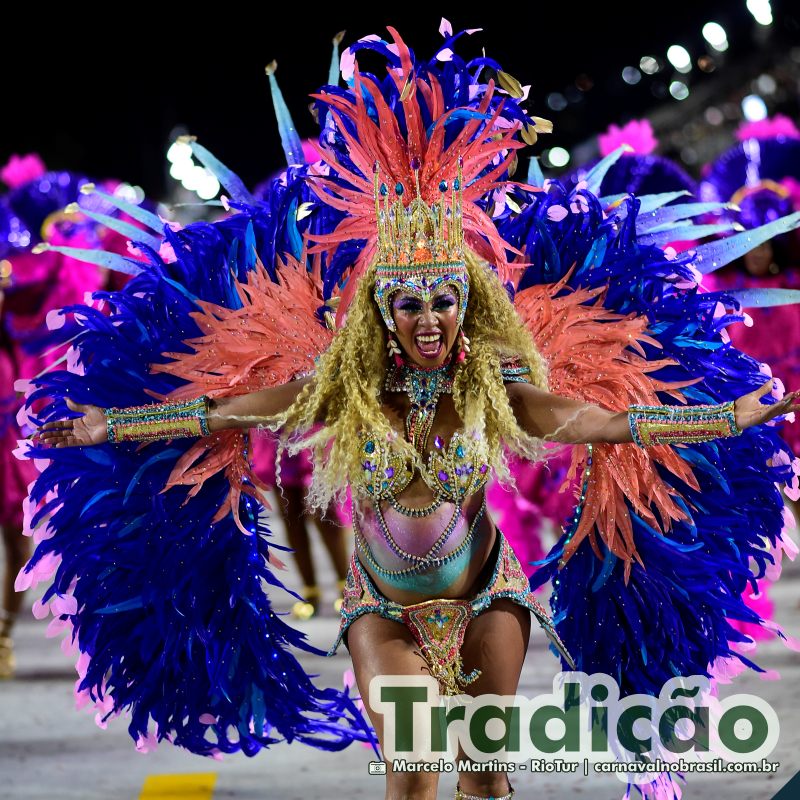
x=197, y=786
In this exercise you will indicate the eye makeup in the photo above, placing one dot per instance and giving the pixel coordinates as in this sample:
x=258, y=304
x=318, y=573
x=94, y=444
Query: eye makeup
x=445, y=301
x=441, y=302
x=407, y=303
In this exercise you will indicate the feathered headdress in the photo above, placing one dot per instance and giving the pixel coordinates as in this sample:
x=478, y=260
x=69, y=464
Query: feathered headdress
x=639, y=170
x=404, y=128
x=759, y=176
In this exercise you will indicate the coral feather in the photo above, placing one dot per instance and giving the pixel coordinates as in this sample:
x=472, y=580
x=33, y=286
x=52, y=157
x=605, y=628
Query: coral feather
x=588, y=350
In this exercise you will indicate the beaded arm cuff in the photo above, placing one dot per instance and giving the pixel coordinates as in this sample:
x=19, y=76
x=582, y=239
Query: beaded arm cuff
x=159, y=421
x=513, y=370
x=651, y=425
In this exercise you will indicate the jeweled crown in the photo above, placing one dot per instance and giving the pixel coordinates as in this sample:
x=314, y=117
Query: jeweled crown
x=418, y=234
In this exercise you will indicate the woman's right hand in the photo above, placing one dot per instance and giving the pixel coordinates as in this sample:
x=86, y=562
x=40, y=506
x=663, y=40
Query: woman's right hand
x=78, y=432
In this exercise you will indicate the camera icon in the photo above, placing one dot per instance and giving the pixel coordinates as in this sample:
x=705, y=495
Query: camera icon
x=377, y=767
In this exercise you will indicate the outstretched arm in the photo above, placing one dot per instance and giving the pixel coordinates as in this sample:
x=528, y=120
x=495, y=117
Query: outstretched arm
x=561, y=419
x=244, y=411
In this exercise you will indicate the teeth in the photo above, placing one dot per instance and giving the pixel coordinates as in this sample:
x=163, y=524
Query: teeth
x=426, y=339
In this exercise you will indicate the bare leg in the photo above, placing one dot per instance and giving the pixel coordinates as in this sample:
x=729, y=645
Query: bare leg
x=17, y=550
x=380, y=646
x=293, y=512
x=335, y=539
x=292, y=507
x=495, y=643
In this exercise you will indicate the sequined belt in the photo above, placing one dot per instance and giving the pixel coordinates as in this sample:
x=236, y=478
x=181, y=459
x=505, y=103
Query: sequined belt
x=438, y=626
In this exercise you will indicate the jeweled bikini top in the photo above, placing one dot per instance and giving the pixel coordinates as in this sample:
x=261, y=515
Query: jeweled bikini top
x=453, y=471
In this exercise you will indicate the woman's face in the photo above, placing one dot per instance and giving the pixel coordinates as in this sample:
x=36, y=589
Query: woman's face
x=426, y=330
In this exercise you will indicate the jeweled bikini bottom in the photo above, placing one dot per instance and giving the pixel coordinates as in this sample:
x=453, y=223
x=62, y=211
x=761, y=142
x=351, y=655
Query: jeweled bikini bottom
x=438, y=626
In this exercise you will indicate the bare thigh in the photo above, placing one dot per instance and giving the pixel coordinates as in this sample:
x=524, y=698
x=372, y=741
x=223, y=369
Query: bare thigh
x=381, y=646
x=495, y=643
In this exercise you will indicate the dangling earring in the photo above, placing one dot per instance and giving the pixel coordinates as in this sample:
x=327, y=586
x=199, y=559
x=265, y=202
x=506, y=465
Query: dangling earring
x=462, y=353
x=394, y=350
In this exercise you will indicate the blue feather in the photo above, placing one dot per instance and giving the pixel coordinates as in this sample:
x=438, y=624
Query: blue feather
x=535, y=176
x=206, y=639
x=713, y=255
x=100, y=258
x=594, y=178
x=137, y=212
x=654, y=220
x=681, y=233
x=764, y=297
x=228, y=179
x=292, y=146
x=126, y=229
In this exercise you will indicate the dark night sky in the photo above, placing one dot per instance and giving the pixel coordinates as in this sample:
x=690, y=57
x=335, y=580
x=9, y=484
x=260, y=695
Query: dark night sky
x=104, y=98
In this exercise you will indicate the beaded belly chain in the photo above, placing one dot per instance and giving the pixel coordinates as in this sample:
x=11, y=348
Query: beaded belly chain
x=453, y=472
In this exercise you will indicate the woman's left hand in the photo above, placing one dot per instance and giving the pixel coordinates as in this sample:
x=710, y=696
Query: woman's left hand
x=749, y=410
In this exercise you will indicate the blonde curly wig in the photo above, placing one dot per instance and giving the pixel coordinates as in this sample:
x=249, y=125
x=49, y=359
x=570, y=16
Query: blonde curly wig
x=345, y=393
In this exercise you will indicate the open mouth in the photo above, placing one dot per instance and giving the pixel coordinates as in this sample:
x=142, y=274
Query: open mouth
x=429, y=345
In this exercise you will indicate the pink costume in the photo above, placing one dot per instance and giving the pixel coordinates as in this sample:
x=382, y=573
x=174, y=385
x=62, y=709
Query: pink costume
x=295, y=469
x=39, y=284
x=760, y=176
x=521, y=513
x=769, y=335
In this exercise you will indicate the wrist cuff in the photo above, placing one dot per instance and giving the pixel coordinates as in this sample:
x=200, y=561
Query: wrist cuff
x=652, y=425
x=158, y=421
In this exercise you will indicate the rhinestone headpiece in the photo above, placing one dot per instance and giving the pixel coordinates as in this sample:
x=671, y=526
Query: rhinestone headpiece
x=420, y=246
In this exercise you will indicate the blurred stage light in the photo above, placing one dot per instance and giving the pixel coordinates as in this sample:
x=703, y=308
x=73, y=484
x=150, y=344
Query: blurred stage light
x=558, y=156
x=754, y=108
x=631, y=75
x=556, y=101
x=181, y=169
x=649, y=65
x=209, y=187
x=679, y=90
x=761, y=11
x=179, y=151
x=679, y=57
x=130, y=194
x=766, y=84
x=706, y=63
x=715, y=35
x=194, y=179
